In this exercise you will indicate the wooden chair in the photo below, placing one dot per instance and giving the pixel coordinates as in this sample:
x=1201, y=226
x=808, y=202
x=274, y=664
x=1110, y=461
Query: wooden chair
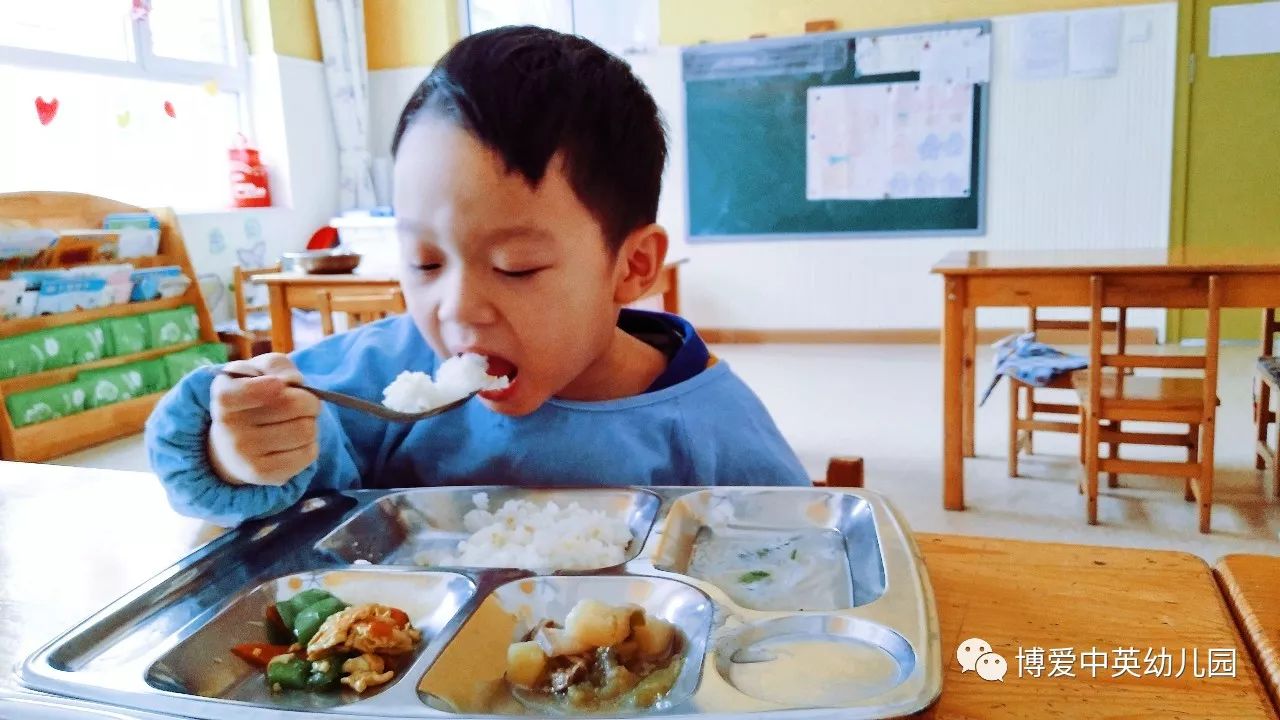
x=1114, y=397
x=250, y=333
x=1268, y=371
x=1025, y=413
x=360, y=307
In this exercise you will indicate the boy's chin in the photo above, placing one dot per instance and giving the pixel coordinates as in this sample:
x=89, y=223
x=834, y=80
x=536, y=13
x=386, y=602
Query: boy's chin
x=516, y=404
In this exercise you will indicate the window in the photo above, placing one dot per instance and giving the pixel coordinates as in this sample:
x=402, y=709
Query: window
x=136, y=100
x=622, y=26
x=488, y=14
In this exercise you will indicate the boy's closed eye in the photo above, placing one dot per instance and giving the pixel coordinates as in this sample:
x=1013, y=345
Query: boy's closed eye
x=521, y=273
x=525, y=273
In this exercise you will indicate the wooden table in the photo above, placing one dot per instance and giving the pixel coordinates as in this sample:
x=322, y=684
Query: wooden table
x=74, y=539
x=290, y=290
x=1050, y=279
x=57, y=567
x=1251, y=584
x=1019, y=594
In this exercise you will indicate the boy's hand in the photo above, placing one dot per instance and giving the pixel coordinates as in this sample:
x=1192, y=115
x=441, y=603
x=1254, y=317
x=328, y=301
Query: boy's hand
x=264, y=431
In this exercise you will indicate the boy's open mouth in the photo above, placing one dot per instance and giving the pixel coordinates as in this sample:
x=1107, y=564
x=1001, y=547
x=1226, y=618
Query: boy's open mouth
x=501, y=367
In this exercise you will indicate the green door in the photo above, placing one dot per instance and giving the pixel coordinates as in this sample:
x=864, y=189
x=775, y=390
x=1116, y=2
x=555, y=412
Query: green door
x=1233, y=166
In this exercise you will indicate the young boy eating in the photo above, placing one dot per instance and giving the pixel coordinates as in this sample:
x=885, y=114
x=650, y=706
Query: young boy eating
x=527, y=171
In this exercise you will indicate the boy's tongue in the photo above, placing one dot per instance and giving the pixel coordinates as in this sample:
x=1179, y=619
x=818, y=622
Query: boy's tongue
x=501, y=367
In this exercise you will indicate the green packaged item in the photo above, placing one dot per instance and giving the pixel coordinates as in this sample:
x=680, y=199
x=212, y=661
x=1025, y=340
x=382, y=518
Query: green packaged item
x=112, y=385
x=21, y=355
x=155, y=378
x=179, y=364
x=215, y=352
x=173, y=327
x=37, y=406
x=48, y=347
x=84, y=343
x=126, y=335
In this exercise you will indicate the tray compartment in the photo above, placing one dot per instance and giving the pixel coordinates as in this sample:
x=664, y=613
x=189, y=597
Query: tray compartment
x=203, y=664
x=777, y=550
x=468, y=675
x=418, y=527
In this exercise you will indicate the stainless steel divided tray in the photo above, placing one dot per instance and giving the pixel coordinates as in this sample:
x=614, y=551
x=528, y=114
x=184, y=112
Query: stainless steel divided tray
x=791, y=603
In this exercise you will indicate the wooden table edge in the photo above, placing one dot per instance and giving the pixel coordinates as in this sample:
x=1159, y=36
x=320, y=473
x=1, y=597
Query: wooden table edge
x=1228, y=590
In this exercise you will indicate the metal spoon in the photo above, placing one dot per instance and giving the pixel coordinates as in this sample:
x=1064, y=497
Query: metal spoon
x=355, y=403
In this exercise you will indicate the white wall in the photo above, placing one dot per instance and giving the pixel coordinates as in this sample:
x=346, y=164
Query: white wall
x=1072, y=163
x=389, y=90
x=294, y=129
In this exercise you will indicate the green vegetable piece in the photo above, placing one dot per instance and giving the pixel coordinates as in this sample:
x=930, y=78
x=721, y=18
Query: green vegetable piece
x=310, y=619
x=290, y=608
x=653, y=687
x=754, y=576
x=291, y=673
x=325, y=673
x=277, y=635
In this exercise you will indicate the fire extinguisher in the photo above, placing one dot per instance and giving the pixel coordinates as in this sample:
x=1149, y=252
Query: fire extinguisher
x=248, y=176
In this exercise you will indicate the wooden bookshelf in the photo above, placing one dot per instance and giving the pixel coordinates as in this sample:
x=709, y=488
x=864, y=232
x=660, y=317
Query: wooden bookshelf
x=21, y=326
x=49, y=439
x=74, y=211
x=34, y=381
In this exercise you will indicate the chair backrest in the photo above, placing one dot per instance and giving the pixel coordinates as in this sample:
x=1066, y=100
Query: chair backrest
x=1205, y=291
x=1270, y=326
x=360, y=306
x=1119, y=326
x=240, y=278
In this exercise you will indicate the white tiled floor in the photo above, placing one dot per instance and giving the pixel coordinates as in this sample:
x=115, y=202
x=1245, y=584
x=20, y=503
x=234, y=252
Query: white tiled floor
x=882, y=402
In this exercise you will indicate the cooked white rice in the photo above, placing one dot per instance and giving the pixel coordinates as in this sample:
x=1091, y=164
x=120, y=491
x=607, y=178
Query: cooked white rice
x=455, y=379
x=548, y=537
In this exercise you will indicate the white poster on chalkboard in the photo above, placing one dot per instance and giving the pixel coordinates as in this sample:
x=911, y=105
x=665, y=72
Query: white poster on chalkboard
x=957, y=58
x=848, y=152
x=931, y=141
x=889, y=141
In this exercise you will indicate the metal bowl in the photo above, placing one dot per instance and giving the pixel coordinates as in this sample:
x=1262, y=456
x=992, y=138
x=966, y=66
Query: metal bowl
x=322, y=262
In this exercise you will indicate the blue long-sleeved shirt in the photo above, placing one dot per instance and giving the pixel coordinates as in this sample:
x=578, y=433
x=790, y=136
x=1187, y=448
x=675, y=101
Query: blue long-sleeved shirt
x=709, y=429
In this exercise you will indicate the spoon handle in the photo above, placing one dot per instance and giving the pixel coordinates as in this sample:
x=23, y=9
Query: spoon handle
x=336, y=398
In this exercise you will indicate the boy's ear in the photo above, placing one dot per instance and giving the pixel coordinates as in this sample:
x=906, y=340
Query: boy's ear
x=639, y=264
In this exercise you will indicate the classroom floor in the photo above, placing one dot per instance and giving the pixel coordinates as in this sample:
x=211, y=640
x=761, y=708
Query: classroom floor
x=883, y=402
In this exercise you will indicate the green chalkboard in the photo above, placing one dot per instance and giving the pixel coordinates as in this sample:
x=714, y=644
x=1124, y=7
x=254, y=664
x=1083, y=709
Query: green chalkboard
x=745, y=117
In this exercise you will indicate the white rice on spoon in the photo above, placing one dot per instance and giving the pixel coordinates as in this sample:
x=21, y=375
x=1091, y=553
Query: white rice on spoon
x=456, y=378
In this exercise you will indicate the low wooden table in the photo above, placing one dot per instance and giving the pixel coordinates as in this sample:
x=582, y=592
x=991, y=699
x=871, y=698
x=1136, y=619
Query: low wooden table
x=286, y=291
x=976, y=279
x=1252, y=586
x=72, y=540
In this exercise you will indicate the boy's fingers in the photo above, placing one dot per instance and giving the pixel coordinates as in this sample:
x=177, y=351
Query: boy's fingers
x=278, y=468
x=229, y=395
x=284, y=436
x=242, y=367
x=291, y=404
x=280, y=365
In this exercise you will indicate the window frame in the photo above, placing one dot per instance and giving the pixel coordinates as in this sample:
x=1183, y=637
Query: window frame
x=231, y=77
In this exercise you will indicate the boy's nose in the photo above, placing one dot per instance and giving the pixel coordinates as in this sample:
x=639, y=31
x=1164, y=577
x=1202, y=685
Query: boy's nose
x=464, y=302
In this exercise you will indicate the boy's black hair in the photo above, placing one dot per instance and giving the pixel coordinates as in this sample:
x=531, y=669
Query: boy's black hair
x=529, y=92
